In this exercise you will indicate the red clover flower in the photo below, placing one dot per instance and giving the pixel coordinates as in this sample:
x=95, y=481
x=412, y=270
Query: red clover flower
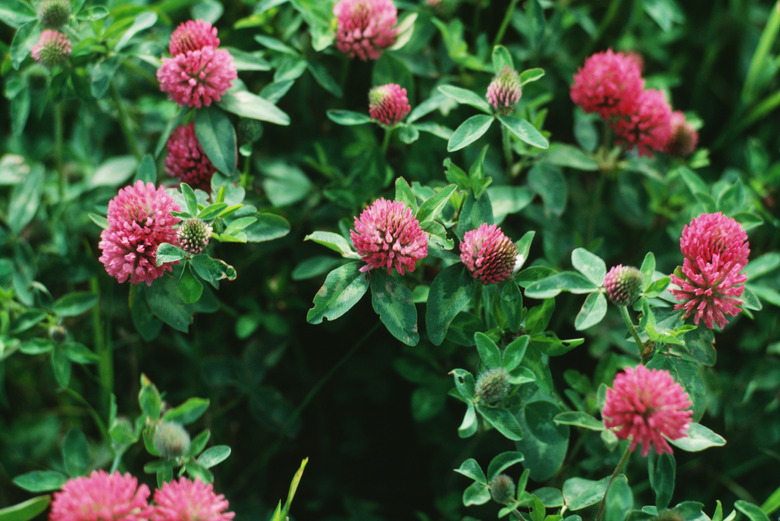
x=186, y=159
x=53, y=48
x=365, y=27
x=683, y=138
x=647, y=406
x=193, y=35
x=196, y=78
x=101, y=496
x=388, y=104
x=623, y=284
x=608, y=84
x=139, y=220
x=387, y=235
x=488, y=254
x=716, y=249
x=647, y=125
x=504, y=91
x=189, y=500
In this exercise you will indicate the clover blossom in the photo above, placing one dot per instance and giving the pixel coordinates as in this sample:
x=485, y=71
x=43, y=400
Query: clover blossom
x=388, y=104
x=645, y=124
x=101, y=496
x=186, y=159
x=608, y=84
x=196, y=78
x=139, y=220
x=488, y=254
x=53, y=48
x=623, y=284
x=647, y=406
x=716, y=249
x=365, y=27
x=387, y=235
x=189, y=500
x=504, y=90
x=193, y=35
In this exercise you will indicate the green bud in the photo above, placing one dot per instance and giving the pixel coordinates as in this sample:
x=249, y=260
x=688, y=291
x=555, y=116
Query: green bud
x=492, y=386
x=502, y=489
x=171, y=440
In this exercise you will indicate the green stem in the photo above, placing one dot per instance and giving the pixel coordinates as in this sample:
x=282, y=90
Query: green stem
x=756, y=66
x=386, y=141
x=124, y=122
x=313, y=392
x=477, y=16
x=505, y=23
x=619, y=467
x=245, y=172
x=612, y=11
x=103, y=350
x=59, y=150
x=596, y=207
x=762, y=109
x=507, y=149
x=518, y=515
x=631, y=327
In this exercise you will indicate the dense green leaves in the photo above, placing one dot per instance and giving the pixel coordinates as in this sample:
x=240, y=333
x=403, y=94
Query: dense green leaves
x=217, y=137
x=392, y=301
x=469, y=131
x=449, y=294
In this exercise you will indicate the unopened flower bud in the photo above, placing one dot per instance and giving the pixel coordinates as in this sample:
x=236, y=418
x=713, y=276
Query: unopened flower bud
x=488, y=254
x=492, y=386
x=52, y=49
x=193, y=235
x=388, y=104
x=683, y=137
x=249, y=130
x=171, y=440
x=623, y=284
x=58, y=334
x=504, y=91
x=53, y=14
x=502, y=489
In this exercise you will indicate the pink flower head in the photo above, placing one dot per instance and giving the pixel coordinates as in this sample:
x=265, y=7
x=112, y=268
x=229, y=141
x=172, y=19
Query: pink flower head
x=365, y=27
x=647, y=405
x=195, y=78
x=193, y=35
x=186, y=160
x=504, y=91
x=607, y=84
x=716, y=249
x=387, y=235
x=488, y=254
x=709, y=290
x=388, y=104
x=683, y=138
x=715, y=237
x=623, y=284
x=646, y=124
x=139, y=220
x=52, y=48
x=101, y=497
x=186, y=500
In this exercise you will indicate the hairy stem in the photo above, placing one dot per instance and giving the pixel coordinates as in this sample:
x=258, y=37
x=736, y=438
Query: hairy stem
x=631, y=327
x=507, y=149
x=59, y=150
x=386, y=141
x=618, y=468
x=103, y=350
x=124, y=122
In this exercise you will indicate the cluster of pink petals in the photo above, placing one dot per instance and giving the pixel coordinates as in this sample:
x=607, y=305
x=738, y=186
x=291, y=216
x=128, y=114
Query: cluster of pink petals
x=52, y=48
x=388, y=104
x=607, y=83
x=186, y=500
x=683, y=138
x=647, y=406
x=388, y=235
x=139, y=220
x=647, y=125
x=610, y=84
x=118, y=497
x=196, y=78
x=101, y=497
x=186, y=160
x=716, y=249
x=505, y=90
x=488, y=254
x=365, y=27
x=193, y=35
